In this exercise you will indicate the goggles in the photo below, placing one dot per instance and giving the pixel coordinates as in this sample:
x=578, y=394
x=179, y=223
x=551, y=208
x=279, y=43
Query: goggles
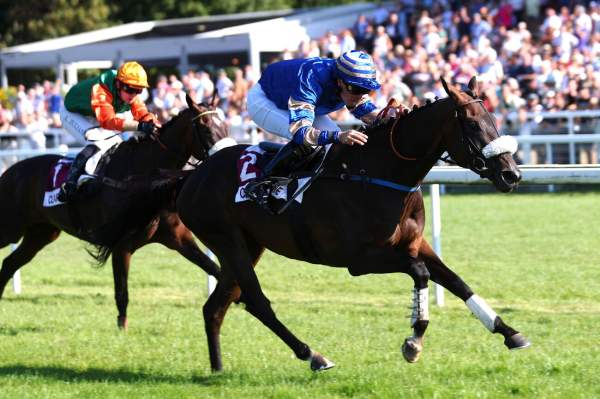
x=130, y=89
x=356, y=89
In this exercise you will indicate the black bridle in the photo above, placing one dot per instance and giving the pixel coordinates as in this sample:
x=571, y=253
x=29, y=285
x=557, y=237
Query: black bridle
x=196, y=136
x=477, y=162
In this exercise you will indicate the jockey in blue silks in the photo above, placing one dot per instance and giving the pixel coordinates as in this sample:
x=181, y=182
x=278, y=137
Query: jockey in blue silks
x=293, y=97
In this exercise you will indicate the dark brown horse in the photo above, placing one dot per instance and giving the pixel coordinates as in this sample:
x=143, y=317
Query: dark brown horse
x=128, y=212
x=362, y=213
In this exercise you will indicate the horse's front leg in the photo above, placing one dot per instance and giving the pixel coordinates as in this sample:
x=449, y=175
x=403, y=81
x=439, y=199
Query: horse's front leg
x=173, y=234
x=389, y=260
x=442, y=275
x=413, y=346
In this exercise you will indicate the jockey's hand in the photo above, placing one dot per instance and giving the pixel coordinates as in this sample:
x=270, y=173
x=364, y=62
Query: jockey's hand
x=147, y=128
x=351, y=137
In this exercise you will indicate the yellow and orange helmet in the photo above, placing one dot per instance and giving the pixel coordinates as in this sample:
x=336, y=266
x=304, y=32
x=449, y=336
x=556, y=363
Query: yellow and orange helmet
x=133, y=74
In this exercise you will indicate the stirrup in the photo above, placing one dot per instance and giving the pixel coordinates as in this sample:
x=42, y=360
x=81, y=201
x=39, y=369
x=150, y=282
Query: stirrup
x=67, y=192
x=259, y=191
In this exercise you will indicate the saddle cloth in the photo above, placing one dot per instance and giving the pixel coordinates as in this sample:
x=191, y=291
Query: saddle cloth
x=57, y=175
x=249, y=167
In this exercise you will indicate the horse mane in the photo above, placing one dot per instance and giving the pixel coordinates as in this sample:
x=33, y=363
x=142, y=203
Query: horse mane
x=415, y=110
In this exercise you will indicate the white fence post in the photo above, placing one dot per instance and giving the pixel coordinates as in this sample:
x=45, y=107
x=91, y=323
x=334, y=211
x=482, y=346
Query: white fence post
x=436, y=235
x=17, y=276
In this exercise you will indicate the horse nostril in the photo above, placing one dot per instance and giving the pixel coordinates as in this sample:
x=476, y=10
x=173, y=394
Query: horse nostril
x=511, y=176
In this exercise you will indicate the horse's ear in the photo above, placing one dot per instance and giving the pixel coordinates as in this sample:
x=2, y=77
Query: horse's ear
x=473, y=86
x=451, y=91
x=189, y=101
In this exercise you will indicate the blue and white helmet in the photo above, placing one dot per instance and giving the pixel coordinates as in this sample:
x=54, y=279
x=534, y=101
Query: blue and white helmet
x=358, y=69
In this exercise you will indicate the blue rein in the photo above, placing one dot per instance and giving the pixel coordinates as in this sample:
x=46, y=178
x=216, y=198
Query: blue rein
x=381, y=182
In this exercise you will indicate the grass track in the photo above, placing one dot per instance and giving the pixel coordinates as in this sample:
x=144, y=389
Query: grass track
x=533, y=257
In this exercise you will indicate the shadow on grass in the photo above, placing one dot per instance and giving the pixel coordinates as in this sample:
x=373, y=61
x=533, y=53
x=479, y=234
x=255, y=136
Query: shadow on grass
x=90, y=375
x=117, y=376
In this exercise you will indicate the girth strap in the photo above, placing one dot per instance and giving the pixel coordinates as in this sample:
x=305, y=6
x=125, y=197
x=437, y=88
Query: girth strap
x=379, y=182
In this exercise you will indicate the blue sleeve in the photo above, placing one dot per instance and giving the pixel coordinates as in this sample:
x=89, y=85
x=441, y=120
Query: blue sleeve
x=363, y=109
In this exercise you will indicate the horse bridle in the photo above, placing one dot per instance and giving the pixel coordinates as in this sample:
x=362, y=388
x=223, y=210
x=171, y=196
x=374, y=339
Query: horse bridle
x=478, y=162
x=195, y=136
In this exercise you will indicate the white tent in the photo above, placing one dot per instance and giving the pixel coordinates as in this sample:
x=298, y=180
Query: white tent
x=158, y=42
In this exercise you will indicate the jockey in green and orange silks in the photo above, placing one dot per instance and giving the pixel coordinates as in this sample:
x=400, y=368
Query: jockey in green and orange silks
x=90, y=110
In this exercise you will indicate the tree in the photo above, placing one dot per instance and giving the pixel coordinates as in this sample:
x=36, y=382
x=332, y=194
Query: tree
x=26, y=21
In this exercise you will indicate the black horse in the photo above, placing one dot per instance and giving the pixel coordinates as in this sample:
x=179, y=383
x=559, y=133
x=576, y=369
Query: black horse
x=134, y=205
x=364, y=213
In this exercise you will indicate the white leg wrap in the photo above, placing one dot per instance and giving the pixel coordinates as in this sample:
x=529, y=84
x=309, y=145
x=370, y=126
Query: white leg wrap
x=420, y=305
x=482, y=310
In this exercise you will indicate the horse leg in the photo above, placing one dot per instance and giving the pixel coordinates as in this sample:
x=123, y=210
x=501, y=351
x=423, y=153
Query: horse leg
x=237, y=255
x=35, y=238
x=121, y=258
x=419, y=320
x=173, y=234
x=388, y=260
x=214, y=311
x=442, y=275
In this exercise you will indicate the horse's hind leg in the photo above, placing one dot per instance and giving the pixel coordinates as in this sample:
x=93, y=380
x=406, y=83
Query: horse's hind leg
x=442, y=275
x=237, y=255
x=214, y=311
x=35, y=238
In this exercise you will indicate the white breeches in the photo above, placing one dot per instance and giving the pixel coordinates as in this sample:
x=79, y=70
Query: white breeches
x=274, y=120
x=88, y=127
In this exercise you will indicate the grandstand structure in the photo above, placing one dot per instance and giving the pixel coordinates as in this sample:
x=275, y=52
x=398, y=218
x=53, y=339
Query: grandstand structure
x=186, y=42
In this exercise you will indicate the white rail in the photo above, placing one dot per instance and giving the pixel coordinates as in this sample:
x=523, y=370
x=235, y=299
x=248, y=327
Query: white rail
x=532, y=174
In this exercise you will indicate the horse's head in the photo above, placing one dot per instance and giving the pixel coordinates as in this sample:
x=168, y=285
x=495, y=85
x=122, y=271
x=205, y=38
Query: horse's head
x=209, y=130
x=477, y=144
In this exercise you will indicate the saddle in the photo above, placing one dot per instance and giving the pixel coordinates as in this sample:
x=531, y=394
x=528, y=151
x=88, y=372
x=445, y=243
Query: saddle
x=279, y=192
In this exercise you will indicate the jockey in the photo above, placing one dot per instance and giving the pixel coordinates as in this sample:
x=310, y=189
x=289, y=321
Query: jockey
x=90, y=110
x=293, y=97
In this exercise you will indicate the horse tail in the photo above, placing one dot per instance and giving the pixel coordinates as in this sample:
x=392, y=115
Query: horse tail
x=100, y=253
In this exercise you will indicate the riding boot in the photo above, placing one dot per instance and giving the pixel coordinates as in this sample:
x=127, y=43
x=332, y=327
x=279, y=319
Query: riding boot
x=289, y=155
x=280, y=165
x=69, y=187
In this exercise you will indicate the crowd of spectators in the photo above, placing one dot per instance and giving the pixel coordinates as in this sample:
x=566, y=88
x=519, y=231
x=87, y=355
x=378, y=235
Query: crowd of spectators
x=544, y=57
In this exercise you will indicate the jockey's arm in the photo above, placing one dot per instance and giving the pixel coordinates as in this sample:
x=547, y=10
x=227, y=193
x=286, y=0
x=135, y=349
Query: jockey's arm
x=140, y=112
x=394, y=104
x=105, y=113
x=364, y=110
x=302, y=116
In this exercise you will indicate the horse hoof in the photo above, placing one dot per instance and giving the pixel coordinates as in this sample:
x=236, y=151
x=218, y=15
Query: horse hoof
x=319, y=362
x=411, y=350
x=517, y=341
x=122, y=323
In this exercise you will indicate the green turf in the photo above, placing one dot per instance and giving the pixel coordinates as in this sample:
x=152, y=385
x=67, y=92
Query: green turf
x=533, y=257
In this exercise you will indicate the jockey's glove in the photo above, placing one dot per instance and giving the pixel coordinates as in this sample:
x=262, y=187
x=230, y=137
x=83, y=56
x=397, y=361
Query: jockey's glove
x=147, y=128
